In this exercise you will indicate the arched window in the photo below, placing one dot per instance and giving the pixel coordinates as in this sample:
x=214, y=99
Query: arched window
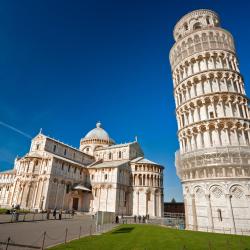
x=67, y=188
x=54, y=148
x=140, y=180
x=219, y=214
x=197, y=26
x=110, y=156
x=246, y=136
x=190, y=41
x=126, y=198
x=196, y=39
x=204, y=37
x=119, y=154
x=211, y=115
x=148, y=196
x=185, y=26
x=207, y=19
x=105, y=176
x=65, y=151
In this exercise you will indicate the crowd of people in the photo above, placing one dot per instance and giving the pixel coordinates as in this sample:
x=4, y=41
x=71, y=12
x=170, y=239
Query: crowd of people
x=15, y=211
x=60, y=212
x=141, y=219
x=137, y=219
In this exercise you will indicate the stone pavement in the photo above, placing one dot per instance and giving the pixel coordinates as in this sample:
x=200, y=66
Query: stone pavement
x=32, y=233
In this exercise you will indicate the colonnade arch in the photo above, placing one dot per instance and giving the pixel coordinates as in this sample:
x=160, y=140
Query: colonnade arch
x=202, y=40
x=144, y=179
x=204, y=62
x=210, y=106
x=208, y=83
x=224, y=132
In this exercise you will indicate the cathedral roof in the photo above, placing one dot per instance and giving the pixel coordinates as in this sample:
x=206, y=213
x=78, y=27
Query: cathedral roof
x=109, y=164
x=98, y=133
x=10, y=171
x=117, y=146
x=141, y=160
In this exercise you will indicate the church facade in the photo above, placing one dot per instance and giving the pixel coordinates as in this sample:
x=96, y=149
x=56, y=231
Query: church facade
x=99, y=176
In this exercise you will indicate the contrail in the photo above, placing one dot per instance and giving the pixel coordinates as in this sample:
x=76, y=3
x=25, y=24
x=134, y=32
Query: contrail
x=15, y=129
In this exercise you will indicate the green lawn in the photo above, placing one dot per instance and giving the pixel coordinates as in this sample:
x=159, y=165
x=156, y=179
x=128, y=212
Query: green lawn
x=147, y=237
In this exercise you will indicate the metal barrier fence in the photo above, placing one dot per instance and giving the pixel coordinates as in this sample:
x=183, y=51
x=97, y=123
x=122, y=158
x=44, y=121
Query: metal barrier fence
x=223, y=230
x=179, y=223
x=48, y=240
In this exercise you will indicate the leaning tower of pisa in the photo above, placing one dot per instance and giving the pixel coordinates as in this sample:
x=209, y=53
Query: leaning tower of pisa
x=213, y=118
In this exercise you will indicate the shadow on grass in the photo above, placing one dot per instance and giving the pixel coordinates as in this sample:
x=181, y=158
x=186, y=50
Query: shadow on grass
x=123, y=230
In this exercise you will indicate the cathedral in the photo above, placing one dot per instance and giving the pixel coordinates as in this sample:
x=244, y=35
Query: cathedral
x=99, y=176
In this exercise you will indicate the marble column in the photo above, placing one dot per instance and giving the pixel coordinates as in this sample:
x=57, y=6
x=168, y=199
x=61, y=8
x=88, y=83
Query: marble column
x=138, y=200
x=195, y=226
x=13, y=193
x=35, y=194
x=186, y=212
x=153, y=203
x=28, y=194
x=248, y=203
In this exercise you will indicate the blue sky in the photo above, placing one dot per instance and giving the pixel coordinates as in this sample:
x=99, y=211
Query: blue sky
x=66, y=64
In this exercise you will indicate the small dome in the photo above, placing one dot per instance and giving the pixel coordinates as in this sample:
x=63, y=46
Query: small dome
x=98, y=133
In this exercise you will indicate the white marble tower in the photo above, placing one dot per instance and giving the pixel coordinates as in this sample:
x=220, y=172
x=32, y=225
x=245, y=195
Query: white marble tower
x=212, y=112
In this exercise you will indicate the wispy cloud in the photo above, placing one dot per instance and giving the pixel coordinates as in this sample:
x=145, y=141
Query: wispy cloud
x=15, y=129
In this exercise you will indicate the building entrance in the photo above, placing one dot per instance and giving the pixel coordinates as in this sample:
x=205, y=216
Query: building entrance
x=75, y=203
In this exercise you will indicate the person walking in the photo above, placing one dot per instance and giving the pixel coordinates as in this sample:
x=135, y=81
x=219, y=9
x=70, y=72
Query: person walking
x=135, y=219
x=48, y=213
x=60, y=214
x=54, y=213
x=139, y=218
x=116, y=219
x=16, y=215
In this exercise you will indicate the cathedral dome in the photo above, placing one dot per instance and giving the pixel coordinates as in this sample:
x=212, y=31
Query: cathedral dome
x=97, y=133
x=97, y=136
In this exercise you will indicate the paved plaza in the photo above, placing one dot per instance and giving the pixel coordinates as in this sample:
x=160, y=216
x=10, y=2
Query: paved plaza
x=32, y=233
